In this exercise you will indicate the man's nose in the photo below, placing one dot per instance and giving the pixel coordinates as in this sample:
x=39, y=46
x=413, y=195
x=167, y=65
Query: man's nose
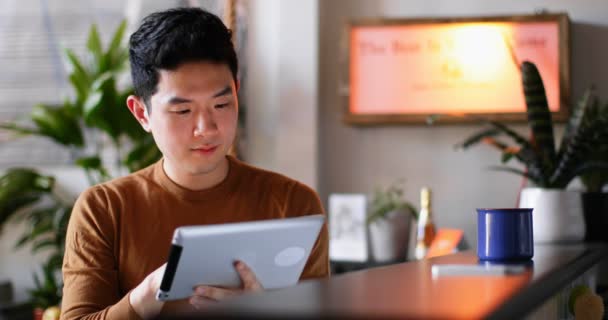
x=205, y=124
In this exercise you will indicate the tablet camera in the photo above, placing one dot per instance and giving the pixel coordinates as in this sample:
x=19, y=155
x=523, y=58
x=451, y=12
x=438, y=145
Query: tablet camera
x=162, y=295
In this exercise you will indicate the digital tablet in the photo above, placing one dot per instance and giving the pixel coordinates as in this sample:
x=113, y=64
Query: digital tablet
x=276, y=250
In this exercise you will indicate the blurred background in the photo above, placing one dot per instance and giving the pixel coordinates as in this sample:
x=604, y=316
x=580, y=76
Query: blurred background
x=292, y=100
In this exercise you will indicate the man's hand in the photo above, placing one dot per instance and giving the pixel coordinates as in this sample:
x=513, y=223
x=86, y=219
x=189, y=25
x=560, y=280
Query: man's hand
x=203, y=295
x=143, y=297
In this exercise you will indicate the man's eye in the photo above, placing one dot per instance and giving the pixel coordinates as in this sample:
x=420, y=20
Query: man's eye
x=221, y=105
x=182, y=111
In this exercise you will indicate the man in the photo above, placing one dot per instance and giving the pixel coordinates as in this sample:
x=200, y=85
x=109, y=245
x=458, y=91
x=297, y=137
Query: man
x=184, y=71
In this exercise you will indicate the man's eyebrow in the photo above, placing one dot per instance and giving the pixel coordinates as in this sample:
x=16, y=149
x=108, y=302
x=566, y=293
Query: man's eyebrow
x=177, y=100
x=223, y=92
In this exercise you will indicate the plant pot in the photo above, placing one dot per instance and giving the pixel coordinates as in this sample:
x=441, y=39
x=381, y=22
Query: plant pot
x=595, y=211
x=6, y=292
x=389, y=237
x=557, y=215
x=37, y=313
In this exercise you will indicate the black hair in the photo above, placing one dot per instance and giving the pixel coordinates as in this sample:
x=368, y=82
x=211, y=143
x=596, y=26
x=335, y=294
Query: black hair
x=167, y=39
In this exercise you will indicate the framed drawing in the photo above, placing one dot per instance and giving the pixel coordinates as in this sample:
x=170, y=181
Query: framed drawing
x=404, y=70
x=347, y=229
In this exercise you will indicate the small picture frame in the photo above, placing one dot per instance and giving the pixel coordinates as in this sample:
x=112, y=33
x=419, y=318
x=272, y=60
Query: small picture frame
x=347, y=227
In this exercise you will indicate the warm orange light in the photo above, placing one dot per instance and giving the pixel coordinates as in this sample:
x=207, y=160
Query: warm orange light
x=449, y=68
x=479, y=50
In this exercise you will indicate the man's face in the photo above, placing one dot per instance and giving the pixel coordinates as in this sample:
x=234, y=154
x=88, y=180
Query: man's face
x=193, y=116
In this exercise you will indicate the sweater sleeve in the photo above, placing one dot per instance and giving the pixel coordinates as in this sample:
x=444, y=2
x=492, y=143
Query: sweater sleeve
x=305, y=201
x=90, y=273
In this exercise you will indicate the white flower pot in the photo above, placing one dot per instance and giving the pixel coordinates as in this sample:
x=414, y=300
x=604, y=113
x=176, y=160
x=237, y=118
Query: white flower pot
x=389, y=237
x=557, y=215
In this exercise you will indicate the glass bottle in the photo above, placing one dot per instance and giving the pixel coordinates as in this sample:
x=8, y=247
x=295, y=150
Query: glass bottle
x=426, y=226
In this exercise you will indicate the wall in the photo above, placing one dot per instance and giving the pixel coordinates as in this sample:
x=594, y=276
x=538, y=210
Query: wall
x=282, y=94
x=355, y=159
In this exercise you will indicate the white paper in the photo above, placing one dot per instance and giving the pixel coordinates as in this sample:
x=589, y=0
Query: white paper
x=347, y=229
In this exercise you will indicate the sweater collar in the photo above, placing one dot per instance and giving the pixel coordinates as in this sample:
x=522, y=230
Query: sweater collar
x=231, y=180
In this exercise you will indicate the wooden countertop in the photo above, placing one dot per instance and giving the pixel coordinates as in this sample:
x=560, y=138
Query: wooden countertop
x=408, y=290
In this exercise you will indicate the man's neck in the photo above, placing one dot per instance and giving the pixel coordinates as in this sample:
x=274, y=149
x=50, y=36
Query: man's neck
x=197, y=181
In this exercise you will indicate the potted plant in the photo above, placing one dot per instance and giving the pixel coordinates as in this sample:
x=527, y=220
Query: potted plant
x=557, y=211
x=47, y=293
x=389, y=220
x=96, y=114
x=595, y=197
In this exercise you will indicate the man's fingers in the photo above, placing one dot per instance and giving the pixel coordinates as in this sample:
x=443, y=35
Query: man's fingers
x=203, y=295
x=200, y=301
x=250, y=281
x=215, y=293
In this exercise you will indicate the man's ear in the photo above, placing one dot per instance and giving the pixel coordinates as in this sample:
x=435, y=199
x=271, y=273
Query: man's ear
x=138, y=109
x=238, y=85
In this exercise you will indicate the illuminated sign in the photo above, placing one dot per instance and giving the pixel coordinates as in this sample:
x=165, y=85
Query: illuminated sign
x=406, y=70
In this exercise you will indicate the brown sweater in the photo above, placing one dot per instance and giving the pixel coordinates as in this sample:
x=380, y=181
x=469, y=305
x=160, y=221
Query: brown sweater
x=121, y=231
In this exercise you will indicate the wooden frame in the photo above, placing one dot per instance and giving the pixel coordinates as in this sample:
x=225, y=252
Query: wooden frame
x=560, y=107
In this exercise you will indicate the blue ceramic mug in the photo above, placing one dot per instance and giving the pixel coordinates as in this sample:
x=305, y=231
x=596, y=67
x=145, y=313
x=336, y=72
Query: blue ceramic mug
x=505, y=234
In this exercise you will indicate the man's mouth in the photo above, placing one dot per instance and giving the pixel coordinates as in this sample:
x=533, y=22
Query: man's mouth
x=205, y=150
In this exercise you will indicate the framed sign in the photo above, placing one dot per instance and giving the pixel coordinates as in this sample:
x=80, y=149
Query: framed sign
x=403, y=71
x=347, y=228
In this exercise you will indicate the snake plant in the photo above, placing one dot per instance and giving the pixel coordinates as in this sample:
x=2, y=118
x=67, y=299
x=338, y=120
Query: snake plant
x=586, y=132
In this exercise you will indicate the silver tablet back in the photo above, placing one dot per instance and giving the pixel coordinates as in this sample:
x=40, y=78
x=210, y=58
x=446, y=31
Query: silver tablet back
x=276, y=251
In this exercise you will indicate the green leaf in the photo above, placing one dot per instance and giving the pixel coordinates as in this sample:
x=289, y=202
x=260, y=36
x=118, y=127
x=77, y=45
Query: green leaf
x=19, y=180
x=115, y=51
x=21, y=187
x=20, y=131
x=41, y=228
x=143, y=154
x=77, y=68
x=93, y=162
x=40, y=214
x=523, y=142
x=47, y=290
x=539, y=116
x=57, y=124
x=102, y=80
x=477, y=137
x=43, y=244
x=387, y=200
x=583, y=140
x=412, y=210
x=81, y=89
x=10, y=207
x=595, y=180
x=55, y=261
x=94, y=45
x=36, y=217
x=506, y=156
x=91, y=104
x=22, y=241
x=594, y=167
x=101, y=111
x=79, y=77
x=37, y=281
